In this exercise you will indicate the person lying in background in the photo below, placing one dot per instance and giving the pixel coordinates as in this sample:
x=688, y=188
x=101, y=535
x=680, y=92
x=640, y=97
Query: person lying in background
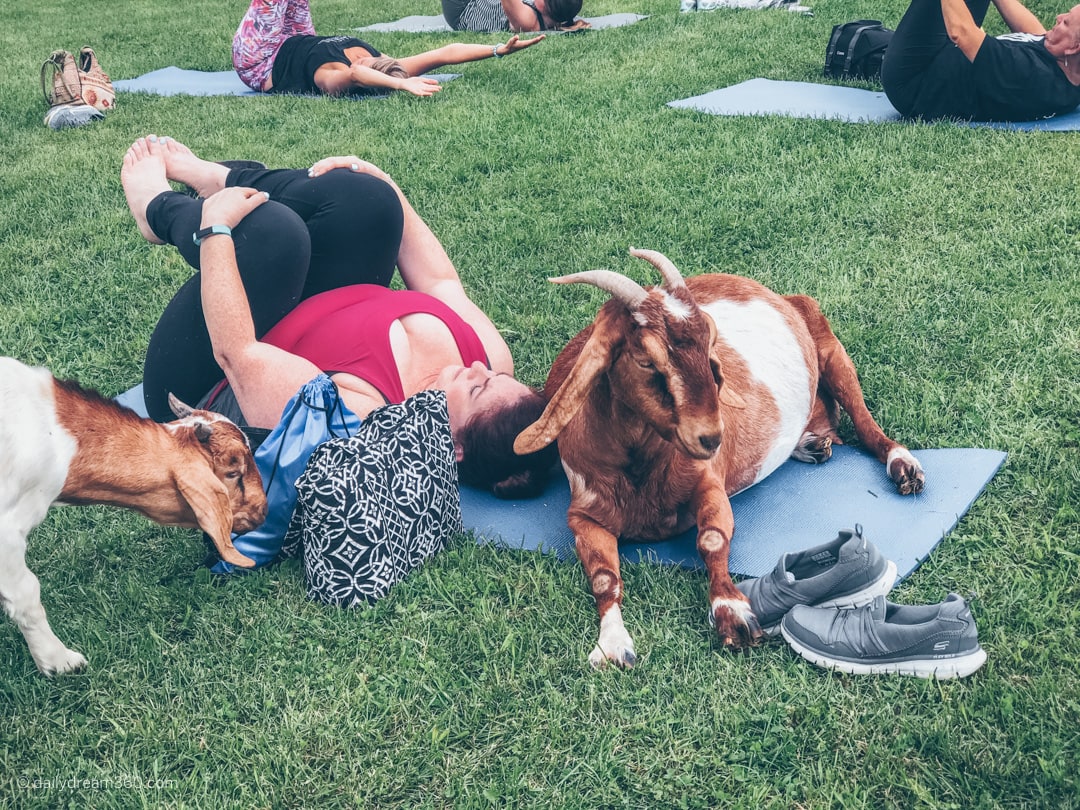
x=513, y=15
x=275, y=50
x=941, y=64
x=293, y=278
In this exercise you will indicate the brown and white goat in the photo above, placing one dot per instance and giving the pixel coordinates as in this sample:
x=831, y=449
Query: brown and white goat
x=676, y=398
x=60, y=443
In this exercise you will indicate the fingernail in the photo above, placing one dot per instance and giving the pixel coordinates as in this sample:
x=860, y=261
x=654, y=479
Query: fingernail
x=310, y=172
x=266, y=194
x=355, y=167
x=164, y=138
x=152, y=139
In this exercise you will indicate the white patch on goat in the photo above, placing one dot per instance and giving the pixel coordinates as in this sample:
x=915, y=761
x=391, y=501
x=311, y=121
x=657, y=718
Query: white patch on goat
x=903, y=453
x=761, y=335
x=36, y=452
x=190, y=422
x=614, y=643
x=741, y=609
x=583, y=496
x=676, y=309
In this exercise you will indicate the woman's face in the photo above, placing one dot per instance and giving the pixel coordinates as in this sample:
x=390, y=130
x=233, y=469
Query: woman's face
x=476, y=389
x=1065, y=35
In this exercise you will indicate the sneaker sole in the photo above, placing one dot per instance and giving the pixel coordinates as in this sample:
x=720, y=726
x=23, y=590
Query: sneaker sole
x=879, y=587
x=941, y=668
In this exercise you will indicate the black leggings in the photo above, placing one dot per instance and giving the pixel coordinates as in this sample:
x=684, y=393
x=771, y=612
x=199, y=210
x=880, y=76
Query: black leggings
x=314, y=234
x=921, y=47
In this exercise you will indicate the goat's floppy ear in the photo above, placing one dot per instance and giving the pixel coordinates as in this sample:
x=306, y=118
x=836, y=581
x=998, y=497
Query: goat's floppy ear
x=209, y=501
x=594, y=360
x=730, y=398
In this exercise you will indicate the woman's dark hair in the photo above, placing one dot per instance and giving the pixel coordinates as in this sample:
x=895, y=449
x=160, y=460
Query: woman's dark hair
x=563, y=11
x=488, y=457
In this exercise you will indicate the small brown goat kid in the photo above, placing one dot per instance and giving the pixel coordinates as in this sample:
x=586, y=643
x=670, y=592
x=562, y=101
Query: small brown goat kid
x=676, y=398
x=61, y=443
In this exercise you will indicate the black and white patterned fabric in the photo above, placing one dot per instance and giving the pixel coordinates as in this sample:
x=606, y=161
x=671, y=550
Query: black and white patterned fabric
x=375, y=506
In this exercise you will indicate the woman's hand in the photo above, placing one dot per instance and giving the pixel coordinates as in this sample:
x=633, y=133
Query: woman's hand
x=352, y=163
x=516, y=43
x=420, y=86
x=230, y=205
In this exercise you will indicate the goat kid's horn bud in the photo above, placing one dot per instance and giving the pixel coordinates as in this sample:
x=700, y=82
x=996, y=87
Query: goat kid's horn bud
x=178, y=407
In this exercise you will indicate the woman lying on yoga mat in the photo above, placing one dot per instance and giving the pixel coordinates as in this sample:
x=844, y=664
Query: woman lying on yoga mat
x=298, y=283
x=1029, y=74
x=513, y=15
x=275, y=50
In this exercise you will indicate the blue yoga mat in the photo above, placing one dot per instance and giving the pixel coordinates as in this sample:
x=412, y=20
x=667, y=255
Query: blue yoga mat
x=830, y=101
x=798, y=506
x=174, y=81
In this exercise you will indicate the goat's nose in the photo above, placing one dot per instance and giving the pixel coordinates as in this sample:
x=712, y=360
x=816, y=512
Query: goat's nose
x=710, y=441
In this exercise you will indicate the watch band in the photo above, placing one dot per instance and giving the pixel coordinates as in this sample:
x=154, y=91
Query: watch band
x=213, y=230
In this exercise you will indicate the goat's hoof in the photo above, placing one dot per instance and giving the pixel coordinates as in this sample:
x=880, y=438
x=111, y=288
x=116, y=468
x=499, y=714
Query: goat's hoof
x=906, y=472
x=735, y=624
x=625, y=657
x=814, y=449
x=62, y=662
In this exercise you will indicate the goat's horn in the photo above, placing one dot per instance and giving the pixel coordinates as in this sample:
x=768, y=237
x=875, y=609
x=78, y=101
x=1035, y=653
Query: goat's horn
x=179, y=408
x=673, y=279
x=626, y=290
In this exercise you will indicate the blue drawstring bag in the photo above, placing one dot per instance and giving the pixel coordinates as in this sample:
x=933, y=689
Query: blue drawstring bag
x=315, y=415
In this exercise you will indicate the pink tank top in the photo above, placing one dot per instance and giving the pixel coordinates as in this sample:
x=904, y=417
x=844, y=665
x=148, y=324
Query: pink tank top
x=348, y=330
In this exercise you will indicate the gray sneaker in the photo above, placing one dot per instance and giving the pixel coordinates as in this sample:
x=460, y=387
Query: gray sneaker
x=929, y=641
x=846, y=572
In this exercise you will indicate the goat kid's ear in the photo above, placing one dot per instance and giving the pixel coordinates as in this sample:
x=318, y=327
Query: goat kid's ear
x=212, y=508
x=203, y=431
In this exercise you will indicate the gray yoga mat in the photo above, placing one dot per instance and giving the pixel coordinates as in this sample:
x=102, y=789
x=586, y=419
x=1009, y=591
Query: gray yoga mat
x=423, y=24
x=831, y=101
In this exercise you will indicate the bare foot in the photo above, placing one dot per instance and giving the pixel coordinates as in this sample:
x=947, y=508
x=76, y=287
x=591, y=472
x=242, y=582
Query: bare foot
x=143, y=177
x=184, y=166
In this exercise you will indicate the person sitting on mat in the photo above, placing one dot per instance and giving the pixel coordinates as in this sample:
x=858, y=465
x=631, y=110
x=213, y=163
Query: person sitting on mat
x=298, y=284
x=940, y=63
x=513, y=15
x=275, y=50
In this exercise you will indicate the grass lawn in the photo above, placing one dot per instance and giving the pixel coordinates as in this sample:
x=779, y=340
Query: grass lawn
x=945, y=257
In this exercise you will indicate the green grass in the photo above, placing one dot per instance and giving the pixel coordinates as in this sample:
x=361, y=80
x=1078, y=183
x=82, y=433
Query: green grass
x=945, y=258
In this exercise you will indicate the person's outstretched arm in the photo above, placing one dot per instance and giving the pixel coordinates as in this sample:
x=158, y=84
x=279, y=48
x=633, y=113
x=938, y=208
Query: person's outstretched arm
x=460, y=52
x=1018, y=18
x=336, y=79
x=961, y=27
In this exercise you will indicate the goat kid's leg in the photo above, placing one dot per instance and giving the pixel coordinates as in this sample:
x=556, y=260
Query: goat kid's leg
x=598, y=550
x=20, y=593
x=729, y=609
x=839, y=378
